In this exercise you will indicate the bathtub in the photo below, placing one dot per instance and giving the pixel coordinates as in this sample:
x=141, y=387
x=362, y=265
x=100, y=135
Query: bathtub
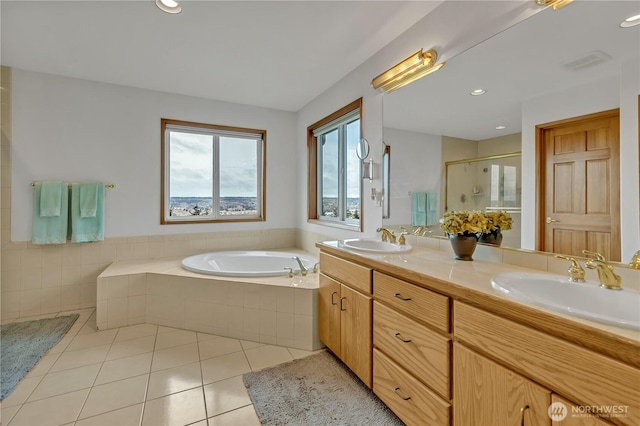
x=247, y=263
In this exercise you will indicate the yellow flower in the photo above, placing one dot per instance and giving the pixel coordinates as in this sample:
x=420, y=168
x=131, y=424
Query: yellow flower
x=499, y=220
x=464, y=222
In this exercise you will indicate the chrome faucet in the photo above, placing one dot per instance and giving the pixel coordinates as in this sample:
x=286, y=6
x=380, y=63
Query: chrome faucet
x=303, y=269
x=576, y=273
x=635, y=261
x=387, y=235
x=608, y=278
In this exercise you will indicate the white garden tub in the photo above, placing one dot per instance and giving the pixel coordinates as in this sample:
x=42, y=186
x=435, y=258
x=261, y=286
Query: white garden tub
x=247, y=263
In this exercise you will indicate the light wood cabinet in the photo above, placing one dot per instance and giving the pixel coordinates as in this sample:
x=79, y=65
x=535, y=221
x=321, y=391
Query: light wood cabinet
x=573, y=415
x=485, y=393
x=345, y=315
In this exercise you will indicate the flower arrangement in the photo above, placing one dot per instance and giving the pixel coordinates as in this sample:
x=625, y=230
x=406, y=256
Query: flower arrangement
x=464, y=223
x=498, y=221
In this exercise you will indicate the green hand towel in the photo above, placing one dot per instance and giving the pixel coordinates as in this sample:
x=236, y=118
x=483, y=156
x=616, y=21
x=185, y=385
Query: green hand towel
x=419, y=215
x=87, y=229
x=88, y=199
x=50, y=229
x=50, y=198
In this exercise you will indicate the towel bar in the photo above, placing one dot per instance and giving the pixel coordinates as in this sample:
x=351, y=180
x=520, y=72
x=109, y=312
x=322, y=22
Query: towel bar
x=106, y=185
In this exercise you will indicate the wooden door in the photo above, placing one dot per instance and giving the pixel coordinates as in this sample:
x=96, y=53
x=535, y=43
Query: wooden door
x=568, y=416
x=485, y=393
x=356, y=333
x=581, y=200
x=329, y=313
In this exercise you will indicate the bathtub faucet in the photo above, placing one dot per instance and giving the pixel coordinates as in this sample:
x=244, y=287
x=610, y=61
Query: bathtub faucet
x=303, y=269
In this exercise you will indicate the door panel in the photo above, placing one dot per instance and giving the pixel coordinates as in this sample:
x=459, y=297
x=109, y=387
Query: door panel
x=581, y=197
x=329, y=313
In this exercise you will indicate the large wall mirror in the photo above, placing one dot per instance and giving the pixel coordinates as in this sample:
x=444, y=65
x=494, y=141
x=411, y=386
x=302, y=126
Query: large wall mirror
x=547, y=69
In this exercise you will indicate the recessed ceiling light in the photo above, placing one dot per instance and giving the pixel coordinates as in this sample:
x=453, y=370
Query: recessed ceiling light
x=478, y=92
x=169, y=6
x=501, y=127
x=631, y=21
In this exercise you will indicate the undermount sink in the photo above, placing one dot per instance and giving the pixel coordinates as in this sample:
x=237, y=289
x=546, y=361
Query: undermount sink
x=586, y=300
x=376, y=246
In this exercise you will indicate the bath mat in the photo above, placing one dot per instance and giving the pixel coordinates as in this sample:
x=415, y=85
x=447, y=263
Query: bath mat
x=22, y=345
x=316, y=390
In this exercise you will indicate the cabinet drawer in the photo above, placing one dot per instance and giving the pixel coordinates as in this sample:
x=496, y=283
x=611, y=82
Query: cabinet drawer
x=412, y=401
x=348, y=273
x=423, y=304
x=584, y=376
x=422, y=352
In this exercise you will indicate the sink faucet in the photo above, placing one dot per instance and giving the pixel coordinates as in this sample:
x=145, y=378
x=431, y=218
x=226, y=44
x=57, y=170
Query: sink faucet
x=303, y=269
x=608, y=278
x=635, y=260
x=387, y=235
x=576, y=273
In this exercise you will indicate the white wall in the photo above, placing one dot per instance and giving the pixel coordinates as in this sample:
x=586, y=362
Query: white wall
x=603, y=95
x=76, y=130
x=415, y=167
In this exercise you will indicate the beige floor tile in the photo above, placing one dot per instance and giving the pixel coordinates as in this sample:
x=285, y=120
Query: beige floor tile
x=245, y=416
x=162, y=329
x=43, y=366
x=176, y=409
x=115, y=395
x=224, y=367
x=172, y=380
x=129, y=416
x=98, y=338
x=65, y=381
x=22, y=391
x=56, y=410
x=130, y=347
x=216, y=347
x=226, y=395
x=299, y=353
x=247, y=344
x=207, y=336
x=80, y=358
x=7, y=413
x=267, y=356
x=135, y=331
x=175, y=338
x=200, y=423
x=173, y=357
x=124, y=368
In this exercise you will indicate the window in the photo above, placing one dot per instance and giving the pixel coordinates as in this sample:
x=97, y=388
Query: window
x=212, y=173
x=334, y=168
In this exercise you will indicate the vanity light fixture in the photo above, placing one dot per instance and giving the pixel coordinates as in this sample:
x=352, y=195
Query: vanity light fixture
x=478, y=92
x=415, y=66
x=556, y=4
x=631, y=21
x=169, y=6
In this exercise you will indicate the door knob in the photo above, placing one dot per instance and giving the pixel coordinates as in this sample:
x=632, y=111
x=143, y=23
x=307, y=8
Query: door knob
x=549, y=220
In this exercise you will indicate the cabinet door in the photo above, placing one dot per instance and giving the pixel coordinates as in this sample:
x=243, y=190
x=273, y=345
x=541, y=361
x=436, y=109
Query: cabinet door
x=485, y=393
x=569, y=417
x=329, y=313
x=356, y=333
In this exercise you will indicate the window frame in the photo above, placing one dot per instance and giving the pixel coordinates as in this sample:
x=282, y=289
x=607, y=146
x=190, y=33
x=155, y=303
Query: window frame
x=219, y=130
x=313, y=180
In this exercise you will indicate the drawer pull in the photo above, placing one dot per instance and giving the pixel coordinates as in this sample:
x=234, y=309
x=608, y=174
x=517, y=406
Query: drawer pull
x=332, y=294
x=406, y=398
x=341, y=307
x=398, y=336
x=399, y=296
x=522, y=410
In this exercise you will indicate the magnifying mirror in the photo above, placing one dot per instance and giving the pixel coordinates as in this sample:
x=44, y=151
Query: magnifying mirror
x=362, y=149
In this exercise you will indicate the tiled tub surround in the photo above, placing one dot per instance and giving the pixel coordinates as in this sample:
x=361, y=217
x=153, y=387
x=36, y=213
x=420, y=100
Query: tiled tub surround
x=272, y=310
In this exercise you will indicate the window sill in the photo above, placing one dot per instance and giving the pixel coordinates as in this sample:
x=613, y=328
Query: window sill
x=353, y=228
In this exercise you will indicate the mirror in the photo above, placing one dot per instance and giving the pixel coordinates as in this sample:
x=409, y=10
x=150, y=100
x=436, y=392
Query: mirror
x=549, y=67
x=362, y=149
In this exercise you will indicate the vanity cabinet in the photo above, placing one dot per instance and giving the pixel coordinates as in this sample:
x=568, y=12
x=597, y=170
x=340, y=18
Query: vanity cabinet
x=345, y=312
x=412, y=351
x=485, y=393
x=577, y=419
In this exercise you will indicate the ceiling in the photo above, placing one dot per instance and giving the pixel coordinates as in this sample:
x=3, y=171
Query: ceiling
x=523, y=62
x=264, y=53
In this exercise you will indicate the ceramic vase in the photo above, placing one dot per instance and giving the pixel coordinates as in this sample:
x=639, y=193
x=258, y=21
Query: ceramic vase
x=463, y=245
x=493, y=238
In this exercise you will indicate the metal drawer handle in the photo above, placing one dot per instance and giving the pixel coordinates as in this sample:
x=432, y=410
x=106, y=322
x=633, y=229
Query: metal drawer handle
x=341, y=307
x=399, y=296
x=403, y=397
x=522, y=410
x=398, y=336
x=332, y=294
